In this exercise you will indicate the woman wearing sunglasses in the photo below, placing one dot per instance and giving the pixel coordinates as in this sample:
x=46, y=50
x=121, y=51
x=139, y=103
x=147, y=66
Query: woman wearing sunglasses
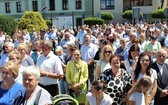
x=142, y=69
x=103, y=64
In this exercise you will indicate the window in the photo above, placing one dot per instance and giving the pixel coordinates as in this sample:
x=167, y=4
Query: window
x=35, y=7
x=107, y=4
x=78, y=4
x=65, y=4
x=7, y=7
x=18, y=7
x=52, y=4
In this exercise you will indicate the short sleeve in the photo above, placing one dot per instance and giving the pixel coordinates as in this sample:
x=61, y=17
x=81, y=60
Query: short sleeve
x=133, y=97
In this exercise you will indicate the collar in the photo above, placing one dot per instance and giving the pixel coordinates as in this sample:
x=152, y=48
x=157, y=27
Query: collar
x=160, y=65
x=49, y=54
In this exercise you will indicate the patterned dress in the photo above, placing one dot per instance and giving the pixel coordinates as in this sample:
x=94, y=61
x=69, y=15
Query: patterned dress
x=117, y=88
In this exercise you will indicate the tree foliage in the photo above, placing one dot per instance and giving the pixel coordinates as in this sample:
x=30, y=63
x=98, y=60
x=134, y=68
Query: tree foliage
x=128, y=14
x=49, y=23
x=107, y=15
x=8, y=24
x=93, y=21
x=159, y=13
x=31, y=20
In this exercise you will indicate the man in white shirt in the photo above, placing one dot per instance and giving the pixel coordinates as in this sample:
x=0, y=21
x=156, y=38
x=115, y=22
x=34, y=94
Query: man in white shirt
x=50, y=68
x=88, y=51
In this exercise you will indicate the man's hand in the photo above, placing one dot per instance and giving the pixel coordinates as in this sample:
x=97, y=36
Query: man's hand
x=164, y=93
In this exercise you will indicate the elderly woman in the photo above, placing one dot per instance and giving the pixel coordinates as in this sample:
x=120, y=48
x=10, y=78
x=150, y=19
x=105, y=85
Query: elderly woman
x=10, y=91
x=118, y=80
x=103, y=64
x=76, y=76
x=26, y=60
x=35, y=95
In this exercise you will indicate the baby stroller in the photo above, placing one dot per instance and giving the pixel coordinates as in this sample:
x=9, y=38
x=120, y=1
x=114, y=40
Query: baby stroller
x=64, y=99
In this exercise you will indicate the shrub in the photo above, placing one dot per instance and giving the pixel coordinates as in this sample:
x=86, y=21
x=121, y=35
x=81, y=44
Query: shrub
x=93, y=21
x=31, y=20
x=128, y=14
x=49, y=23
x=159, y=13
x=107, y=16
x=8, y=24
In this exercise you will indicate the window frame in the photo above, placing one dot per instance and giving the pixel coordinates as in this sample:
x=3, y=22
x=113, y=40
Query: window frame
x=108, y=4
x=35, y=5
x=18, y=6
x=64, y=4
x=7, y=7
x=78, y=4
x=52, y=5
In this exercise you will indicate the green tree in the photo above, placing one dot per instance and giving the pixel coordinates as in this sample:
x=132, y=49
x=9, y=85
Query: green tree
x=8, y=24
x=31, y=20
x=159, y=13
x=93, y=21
x=107, y=16
x=128, y=14
x=49, y=23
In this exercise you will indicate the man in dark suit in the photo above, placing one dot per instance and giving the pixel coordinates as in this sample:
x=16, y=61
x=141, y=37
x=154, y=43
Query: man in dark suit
x=161, y=96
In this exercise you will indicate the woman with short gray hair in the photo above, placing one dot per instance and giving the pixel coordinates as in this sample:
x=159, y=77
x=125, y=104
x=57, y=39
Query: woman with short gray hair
x=35, y=95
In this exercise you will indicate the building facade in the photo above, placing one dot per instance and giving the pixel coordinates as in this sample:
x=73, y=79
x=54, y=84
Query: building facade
x=78, y=9
x=117, y=7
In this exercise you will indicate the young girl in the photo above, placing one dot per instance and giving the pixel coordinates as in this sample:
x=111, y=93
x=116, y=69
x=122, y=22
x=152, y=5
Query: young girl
x=139, y=95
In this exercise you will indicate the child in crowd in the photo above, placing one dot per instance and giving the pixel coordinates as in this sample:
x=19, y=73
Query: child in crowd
x=139, y=95
x=97, y=96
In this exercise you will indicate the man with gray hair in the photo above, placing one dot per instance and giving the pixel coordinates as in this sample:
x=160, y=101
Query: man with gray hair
x=161, y=68
x=9, y=46
x=50, y=68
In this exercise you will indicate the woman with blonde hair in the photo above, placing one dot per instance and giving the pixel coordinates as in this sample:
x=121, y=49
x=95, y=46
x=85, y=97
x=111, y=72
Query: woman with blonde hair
x=139, y=93
x=26, y=60
x=11, y=92
x=103, y=64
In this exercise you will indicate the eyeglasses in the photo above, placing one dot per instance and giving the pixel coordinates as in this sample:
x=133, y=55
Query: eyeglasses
x=162, y=56
x=6, y=73
x=108, y=52
x=145, y=60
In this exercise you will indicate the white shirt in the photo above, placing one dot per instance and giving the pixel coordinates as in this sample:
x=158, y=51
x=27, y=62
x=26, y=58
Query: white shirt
x=160, y=68
x=107, y=100
x=19, y=78
x=88, y=52
x=52, y=64
x=138, y=98
x=4, y=59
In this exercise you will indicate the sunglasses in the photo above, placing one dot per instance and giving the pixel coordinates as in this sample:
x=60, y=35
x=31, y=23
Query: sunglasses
x=145, y=60
x=108, y=52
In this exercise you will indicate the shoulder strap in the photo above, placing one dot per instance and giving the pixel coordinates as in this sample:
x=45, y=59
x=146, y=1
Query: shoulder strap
x=36, y=101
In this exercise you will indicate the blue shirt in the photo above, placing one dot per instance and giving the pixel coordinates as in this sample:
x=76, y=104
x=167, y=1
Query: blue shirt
x=9, y=97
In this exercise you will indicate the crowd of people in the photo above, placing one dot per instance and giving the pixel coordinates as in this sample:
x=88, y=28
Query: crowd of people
x=98, y=65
